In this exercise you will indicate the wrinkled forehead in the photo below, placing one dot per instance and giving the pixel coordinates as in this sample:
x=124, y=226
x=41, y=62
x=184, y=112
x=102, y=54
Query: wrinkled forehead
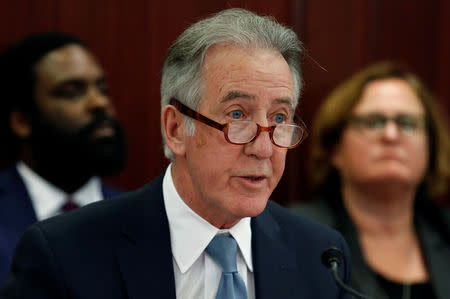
x=231, y=71
x=68, y=62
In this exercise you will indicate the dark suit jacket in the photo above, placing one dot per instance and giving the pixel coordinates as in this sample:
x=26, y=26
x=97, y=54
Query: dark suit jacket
x=120, y=248
x=17, y=214
x=432, y=225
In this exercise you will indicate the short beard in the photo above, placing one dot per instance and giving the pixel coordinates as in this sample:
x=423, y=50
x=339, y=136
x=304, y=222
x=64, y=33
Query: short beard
x=59, y=152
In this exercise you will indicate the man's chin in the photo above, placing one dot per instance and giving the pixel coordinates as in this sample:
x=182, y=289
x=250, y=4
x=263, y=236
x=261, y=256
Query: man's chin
x=110, y=163
x=251, y=206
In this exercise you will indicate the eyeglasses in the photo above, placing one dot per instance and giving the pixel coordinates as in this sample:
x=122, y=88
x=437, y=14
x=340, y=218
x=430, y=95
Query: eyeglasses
x=244, y=131
x=405, y=123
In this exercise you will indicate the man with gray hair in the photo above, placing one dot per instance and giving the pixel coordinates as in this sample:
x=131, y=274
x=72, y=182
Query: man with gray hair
x=205, y=228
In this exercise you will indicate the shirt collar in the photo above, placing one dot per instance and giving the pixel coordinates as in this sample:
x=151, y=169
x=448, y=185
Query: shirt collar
x=190, y=233
x=47, y=198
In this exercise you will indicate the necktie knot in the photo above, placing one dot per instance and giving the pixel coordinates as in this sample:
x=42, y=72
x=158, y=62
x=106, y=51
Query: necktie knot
x=223, y=249
x=69, y=205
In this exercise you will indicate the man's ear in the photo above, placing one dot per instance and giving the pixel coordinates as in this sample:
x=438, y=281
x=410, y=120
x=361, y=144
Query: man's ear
x=172, y=124
x=20, y=124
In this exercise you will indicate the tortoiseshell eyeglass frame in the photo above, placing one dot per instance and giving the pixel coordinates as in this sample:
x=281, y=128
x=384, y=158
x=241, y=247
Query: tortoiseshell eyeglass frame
x=224, y=127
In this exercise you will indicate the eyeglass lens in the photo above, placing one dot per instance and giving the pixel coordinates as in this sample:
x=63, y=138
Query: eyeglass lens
x=284, y=135
x=404, y=122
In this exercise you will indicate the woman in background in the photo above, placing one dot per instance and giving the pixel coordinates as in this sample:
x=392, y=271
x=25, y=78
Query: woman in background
x=380, y=153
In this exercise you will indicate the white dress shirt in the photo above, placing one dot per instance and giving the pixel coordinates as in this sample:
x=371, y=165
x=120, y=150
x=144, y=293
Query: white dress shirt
x=48, y=199
x=197, y=275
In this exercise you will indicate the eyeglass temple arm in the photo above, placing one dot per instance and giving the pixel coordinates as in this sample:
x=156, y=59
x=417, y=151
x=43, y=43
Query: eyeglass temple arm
x=306, y=131
x=195, y=115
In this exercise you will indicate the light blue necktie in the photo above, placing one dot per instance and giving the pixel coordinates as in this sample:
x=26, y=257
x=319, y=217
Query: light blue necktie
x=223, y=249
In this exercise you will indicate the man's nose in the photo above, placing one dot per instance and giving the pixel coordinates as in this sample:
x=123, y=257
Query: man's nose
x=262, y=146
x=96, y=100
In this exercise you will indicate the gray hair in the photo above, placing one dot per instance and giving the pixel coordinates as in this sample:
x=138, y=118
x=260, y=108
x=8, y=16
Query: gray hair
x=182, y=69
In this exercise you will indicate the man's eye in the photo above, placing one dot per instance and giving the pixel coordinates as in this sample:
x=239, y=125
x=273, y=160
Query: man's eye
x=103, y=89
x=70, y=91
x=279, y=118
x=236, y=114
x=102, y=86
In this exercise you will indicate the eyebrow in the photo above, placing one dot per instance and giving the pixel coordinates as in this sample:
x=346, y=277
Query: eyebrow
x=77, y=80
x=239, y=94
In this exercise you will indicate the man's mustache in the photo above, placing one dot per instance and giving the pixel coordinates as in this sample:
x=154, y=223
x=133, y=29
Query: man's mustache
x=100, y=120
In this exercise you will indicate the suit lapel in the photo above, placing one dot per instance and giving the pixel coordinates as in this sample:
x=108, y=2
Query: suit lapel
x=16, y=212
x=274, y=264
x=108, y=191
x=143, y=248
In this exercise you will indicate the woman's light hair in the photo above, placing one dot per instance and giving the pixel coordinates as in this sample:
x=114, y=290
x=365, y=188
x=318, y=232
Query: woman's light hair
x=182, y=69
x=332, y=117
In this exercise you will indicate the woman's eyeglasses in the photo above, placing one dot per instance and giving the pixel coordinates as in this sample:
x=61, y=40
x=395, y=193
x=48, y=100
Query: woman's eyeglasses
x=375, y=123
